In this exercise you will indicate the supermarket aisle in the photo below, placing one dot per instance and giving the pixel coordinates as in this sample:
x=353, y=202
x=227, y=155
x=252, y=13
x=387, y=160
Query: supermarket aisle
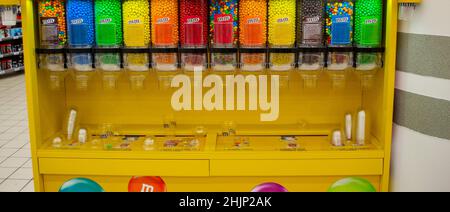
x=15, y=158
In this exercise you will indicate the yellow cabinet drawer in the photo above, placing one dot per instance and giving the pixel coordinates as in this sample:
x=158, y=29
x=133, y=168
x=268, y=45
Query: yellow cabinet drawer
x=337, y=167
x=116, y=167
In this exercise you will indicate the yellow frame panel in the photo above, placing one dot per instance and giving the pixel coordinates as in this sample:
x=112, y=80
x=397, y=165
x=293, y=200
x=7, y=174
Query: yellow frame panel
x=50, y=166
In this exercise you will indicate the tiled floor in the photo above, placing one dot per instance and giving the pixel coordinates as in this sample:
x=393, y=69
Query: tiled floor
x=15, y=160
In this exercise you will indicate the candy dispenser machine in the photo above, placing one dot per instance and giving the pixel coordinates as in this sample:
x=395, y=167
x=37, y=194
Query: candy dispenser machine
x=165, y=34
x=282, y=15
x=80, y=21
x=310, y=40
x=108, y=29
x=52, y=22
x=253, y=31
x=189, y=139
x=194, y=34
x=224, y=34
x=368, y=35
x=136, y=32
x=339, y=34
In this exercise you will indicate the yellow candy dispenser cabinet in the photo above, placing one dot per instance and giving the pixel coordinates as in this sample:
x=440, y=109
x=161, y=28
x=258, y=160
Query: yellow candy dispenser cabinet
x=127, y=94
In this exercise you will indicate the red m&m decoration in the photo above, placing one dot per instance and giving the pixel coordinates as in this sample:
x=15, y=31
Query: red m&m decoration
x=146, y=184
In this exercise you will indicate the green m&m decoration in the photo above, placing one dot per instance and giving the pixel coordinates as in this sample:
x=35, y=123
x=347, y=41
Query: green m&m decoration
x=352, y=184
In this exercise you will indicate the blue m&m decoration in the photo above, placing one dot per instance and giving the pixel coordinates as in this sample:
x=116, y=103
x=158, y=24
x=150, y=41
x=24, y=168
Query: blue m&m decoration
x=81, y=185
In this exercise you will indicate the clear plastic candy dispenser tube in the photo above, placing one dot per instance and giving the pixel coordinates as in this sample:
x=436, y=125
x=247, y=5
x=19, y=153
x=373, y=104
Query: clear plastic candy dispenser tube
x=52, y=22
x=194, y=32
x=282, y=15
x=224, y=32
x=164, y=33
x=136, y=32
x=339, y=32
x=368, y=32
x=310, y=30
x=108, y=23
x=80, y=21
x=253, y=29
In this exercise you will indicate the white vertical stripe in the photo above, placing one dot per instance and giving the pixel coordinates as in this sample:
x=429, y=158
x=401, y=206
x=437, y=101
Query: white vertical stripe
x=419, y=162
x=431, y=18
x=423, y=85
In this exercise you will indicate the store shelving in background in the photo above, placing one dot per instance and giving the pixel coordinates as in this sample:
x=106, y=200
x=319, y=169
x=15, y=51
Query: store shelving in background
x=11, y=44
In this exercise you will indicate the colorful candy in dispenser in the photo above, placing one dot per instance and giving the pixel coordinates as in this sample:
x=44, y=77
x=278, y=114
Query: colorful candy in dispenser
x=194, y=32
x=164, y=33
x=368, y=32
x=224, y=33
x=339, y=32
x=253, y=21
x=282, y=15
x=310, y=33
x=136, y=33
x=52, y=20
x=80, y=21
x=108, y=23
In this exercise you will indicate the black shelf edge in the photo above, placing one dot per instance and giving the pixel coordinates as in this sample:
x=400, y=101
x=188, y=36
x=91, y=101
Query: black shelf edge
x=283, y=50
x=135, y=50
x=11, y=54
x=223, y=50
x=107, y=50
x=2, y=72
x=253, y=49
x=11, y=38
x=164, y=50
x=312, y=49
x=341, y=49
x=50, y=51
x=203, y=50
x=370, y=50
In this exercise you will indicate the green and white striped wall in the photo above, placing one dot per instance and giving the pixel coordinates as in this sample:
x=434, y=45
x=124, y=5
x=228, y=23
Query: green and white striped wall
x=421, y=139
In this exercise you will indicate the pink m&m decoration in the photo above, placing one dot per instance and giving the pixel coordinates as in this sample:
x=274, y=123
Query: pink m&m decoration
x=269, y=187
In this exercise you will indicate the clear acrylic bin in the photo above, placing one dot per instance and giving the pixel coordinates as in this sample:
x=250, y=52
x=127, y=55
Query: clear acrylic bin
x=165, y=61
x=108, y=61
x=223, y=61
x=282, y=61
x=309, y=61
x=253, y=61
x=368, y=61
x=51, y=62
x=80, y=62
x=193, y=61
x=136, y=62
x=340, y=61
